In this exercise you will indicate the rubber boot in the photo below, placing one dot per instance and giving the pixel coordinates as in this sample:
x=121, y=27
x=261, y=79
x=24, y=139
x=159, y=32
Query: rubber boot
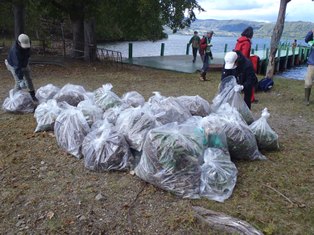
x=307, y=92
x=203, y=76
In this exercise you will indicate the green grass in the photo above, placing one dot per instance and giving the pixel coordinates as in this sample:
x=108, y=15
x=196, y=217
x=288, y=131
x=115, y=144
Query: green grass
x=262, y=194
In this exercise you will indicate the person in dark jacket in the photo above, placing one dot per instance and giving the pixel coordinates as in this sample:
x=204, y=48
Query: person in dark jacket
x=308, y=81
x=18, y=64
x=195, y=42
x=206, y=47
x=238, y=65
x=244, y=45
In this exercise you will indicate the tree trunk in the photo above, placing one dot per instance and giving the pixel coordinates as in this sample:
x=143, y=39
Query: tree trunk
x=275, y=38
x=90, y=45
x=19, y=18
x=78, y=37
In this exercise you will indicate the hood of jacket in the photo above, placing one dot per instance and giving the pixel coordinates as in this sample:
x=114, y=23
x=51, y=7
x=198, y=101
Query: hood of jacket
x=243, y=39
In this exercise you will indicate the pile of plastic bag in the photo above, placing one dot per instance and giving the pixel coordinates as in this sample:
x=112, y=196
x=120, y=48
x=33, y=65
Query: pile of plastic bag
x=184, y=145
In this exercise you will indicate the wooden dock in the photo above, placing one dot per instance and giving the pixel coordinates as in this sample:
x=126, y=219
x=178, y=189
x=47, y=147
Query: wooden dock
x=287, y=57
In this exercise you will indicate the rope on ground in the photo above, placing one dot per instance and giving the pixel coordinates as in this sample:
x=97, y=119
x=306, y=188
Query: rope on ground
x=281, y=194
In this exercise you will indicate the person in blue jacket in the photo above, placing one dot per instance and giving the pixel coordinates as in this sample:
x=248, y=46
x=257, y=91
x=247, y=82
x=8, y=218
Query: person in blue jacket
x=18, y=64
x=308, y=81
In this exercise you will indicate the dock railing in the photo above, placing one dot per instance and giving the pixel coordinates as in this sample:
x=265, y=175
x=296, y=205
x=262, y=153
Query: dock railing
x=109, y=55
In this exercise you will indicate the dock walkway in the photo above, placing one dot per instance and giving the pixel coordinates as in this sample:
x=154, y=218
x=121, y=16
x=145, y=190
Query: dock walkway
x=183, y=63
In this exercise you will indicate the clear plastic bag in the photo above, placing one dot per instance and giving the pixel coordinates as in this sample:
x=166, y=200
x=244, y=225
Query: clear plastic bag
x=219, y=175
x=18, y=102
x=112, y=114
x=91, y=112
x=240, y=139
x=105, y=98
x=72, y=94
x=70, y=130
x=266, y=137
x=46, y=92
x=231, y=93
x=157, y=97
x=169, y=110
x=105, y=149
x=134, y=123
x=196, y=104
x=171, y=159
x=46, y=114
x=133, y=98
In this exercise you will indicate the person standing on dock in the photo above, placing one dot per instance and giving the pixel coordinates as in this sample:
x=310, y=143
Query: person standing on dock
x=206, y=46
x=308, y=81
x=294, y=44
x=244, y=45
x=195, y=42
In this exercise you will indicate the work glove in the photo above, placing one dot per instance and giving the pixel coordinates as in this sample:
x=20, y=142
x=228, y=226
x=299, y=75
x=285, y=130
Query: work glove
x=22, y=84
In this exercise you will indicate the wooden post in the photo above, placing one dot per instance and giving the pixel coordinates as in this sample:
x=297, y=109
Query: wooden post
x=286, y=59
x=266, y=59
x=162, y=49
x=264, y=48
x=301, y=55
x=293, y=57
x=226, y=48
x=130, y=50
x=252, y=51
x=297, y=56
x=256, y=47
x=307, y=51
x=187, y=49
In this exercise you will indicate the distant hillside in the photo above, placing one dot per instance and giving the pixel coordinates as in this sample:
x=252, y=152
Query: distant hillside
x=233, y=28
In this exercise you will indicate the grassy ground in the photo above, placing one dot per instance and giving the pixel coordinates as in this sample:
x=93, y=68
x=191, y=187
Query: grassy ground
x=45, y=191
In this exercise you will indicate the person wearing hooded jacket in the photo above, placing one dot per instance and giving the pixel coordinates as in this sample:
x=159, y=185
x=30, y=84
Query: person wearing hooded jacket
x=308, y=81
x=244, y=42
x=244, y=45
x=18, y=64
x=236, y=64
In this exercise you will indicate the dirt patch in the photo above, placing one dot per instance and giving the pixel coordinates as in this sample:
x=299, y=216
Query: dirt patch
x=45, y=190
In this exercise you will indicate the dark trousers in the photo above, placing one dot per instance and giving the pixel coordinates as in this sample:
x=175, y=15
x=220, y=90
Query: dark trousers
x=205, y=67
x=194, y=50
x=247, y=96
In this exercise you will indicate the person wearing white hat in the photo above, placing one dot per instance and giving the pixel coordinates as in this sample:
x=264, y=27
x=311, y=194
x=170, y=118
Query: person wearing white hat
x=18, y=64
x=236, y=64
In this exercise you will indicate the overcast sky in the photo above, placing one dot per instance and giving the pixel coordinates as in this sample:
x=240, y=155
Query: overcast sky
x=256, y=10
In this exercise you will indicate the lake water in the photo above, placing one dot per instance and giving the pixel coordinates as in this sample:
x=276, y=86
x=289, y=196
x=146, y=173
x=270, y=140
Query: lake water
x=176, y=44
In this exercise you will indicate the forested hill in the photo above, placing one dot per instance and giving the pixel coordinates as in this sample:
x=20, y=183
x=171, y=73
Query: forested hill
x=296, y=29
